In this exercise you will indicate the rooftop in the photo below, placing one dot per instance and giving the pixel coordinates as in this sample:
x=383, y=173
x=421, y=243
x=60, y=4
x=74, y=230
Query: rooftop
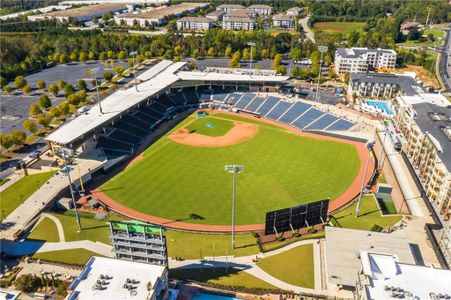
x=236, y=6
x=296, y=8
x=408, y=85
x=256, y=6
x=233, y=77
x=164, y=11
x=195, y=19
x=436, y=122
x=414, y=282
x=437, y=99
x=282, y=17
x=117, y=272
x=242, y=20
x=343, y=248
x=86, y=10
x=240, y=13
x=360, y=52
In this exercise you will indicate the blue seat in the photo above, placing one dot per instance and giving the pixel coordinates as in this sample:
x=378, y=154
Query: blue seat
x=233, y=98
x=254, y=104
x=295, y=111
x=340, y=125
x=105, y=142
x=322, y=122
x=308, y=117
x=268, y=105
x=120, y=135
x=278, y=110
x=245, y=100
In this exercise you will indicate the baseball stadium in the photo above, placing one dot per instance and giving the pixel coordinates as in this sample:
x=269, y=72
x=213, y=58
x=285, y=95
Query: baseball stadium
x=165, y=144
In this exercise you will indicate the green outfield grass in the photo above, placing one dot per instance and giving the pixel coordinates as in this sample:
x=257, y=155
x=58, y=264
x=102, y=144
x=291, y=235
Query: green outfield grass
x=210, y=126
x=294, y=266
x=72, y=257
x=45, y=231
x=282, y=169
x=12, y=196
x=339, y=27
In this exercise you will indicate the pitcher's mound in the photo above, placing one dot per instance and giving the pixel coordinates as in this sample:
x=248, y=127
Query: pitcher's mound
x=241, y=132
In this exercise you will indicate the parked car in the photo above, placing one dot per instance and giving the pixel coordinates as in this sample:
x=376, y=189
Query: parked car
x=83, y=109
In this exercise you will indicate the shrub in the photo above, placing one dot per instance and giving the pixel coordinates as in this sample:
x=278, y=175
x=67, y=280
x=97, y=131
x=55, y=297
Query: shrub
x=19, y=82
x=312, y=230
x=30, y=125
x=44, y=101
x=26, y=89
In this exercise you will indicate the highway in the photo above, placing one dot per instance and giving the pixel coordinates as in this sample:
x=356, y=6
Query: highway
x=445, y=62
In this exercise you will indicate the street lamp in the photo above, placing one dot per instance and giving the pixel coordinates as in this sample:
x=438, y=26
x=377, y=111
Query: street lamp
x=94, y=71
x=132, y=54
x=321, y=49
x=233, y=169
x=65, y=156
x=369, y=147
x=252, y=47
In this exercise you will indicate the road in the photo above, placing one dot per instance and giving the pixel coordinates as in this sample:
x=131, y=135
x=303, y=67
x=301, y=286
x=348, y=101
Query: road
x=445, y=62
x=223, y=62
x=308, y=32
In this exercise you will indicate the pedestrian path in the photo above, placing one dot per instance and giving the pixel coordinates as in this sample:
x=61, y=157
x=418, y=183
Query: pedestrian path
x=58, y=224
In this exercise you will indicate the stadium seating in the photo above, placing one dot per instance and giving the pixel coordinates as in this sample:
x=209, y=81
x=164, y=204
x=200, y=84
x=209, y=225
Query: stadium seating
x=233, y=98
x=165, y=101
x=308, y=117
x=322, y=122
x=268, y=105
x=150, y=112
x=108, y=143
x=158, y=107
x=244, y=101
x=278, y=110
x=294, y=112
x=143, y=116
x=130, y=119
x=340, y=125
x=191, y=97
x=120, y=135
x=131, y=129
x=254, y=104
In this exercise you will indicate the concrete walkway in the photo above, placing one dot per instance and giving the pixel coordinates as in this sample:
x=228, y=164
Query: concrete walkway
x=58, y=224
x=13, y=179
x=308, y=32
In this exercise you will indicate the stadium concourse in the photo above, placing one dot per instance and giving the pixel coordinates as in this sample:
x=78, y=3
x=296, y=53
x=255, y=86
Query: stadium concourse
x=124, y=120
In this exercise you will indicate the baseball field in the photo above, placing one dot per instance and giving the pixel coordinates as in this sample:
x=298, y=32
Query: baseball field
x=181, y=176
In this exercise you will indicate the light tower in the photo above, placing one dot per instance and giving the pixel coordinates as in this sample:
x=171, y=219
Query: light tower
x=321, y=49
x=233, y=169
x=369, y=147
x=94, y=71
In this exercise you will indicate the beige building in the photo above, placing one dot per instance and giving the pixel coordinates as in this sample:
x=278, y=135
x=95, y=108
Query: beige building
x=215, y=15
x=194, y=23
x=294, y=11
x=226, y=8
x=238, y=24
x=240, y=13
x=361, y=60
x=261, y=9
x=282, y=21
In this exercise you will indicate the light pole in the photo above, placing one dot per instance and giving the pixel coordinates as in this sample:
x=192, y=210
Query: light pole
x=94, y=71
x=382, y=147
x=233, y=169
x=132, y=54
x=321, y=49
x=369, y=147
x=65, y=155
x=252, y=47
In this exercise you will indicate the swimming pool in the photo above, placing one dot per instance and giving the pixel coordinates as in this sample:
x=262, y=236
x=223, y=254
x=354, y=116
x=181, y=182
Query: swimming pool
x=383, y=106
x=207, y=296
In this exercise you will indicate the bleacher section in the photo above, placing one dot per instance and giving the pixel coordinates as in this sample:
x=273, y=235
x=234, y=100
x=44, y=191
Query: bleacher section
x=322, y=122
x=308, y=117
x=340, y=125
x=268, y=105
x=245, y=100
x=232, y=98
x=278, y=110
x=255, y=104
x=294, y=112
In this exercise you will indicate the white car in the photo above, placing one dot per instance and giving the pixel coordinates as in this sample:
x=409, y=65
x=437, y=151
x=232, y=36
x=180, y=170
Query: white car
x=83, y=109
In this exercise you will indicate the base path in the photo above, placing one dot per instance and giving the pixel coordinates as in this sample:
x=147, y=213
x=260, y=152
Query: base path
x=352, y=191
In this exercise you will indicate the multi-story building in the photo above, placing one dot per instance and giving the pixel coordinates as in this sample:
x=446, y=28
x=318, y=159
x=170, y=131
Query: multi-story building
x=294, y=11
x=360, y=60
x=194, y=23
x=226, y=8
x=425, y=122
x=240, y=13
x=140, y=242
x=282, y=21
x=383, y=85
x=239, y=24
x=261, y=9
x=215, y=15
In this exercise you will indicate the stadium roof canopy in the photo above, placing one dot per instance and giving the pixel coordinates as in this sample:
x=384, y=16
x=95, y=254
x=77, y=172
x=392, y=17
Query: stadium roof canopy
x=155, y=80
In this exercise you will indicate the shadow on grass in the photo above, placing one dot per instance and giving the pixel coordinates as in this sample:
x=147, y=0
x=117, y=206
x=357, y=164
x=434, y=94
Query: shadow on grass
x=202, y=274
x=368, y=213
x=107, y=190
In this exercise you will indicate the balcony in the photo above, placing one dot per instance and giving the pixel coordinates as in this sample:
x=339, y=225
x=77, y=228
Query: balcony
x=140, y=254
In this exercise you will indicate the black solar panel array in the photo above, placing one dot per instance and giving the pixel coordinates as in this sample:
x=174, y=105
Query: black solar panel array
x=296, y=217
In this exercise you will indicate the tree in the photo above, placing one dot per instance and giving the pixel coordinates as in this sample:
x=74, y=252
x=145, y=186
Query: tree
x=296, y=53
x=69, y=90
x=55, y=112
x=211, y=51
x=121, y=55
x=7, y=88
x=44, y=120
x=95, y=20
x=83, y=57
x=34, y=109
x=139, y=58
x=295, y=72
x=41, y=84
x=110, y=54
x=414, y=35
x=235, y=60
x=6, y=141
x=18, y=137
x=282, y=70
x=26, y=89
x=3, y=81
x=277, y=61
x=228, y=51
x=119, y=70
x=102, y=56
x=61, y=84
x=30, y=125
x=44, y=101
x=431, y=37
x=193, y=65
x=64, y=107
x=63, y=59
x=53, y=89
x=56, y=57
x=331, y=74
x=346, y=78
x=19, y=82
x=81, y=85
x=108, y=76
x=195, y=54
x=73, y=56
x=91, y=55
x=26, y=283
x=246, y=54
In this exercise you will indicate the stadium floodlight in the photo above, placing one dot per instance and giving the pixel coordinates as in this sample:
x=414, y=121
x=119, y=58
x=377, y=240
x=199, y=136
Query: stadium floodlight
x=252, y=45
x=132, y=54
x=94, y=71
x=233, y=169
x=66, y=154
x=369, y=147
x=321, y=49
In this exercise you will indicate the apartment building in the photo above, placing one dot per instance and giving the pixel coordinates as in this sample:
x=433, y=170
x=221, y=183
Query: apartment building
x=226, y=8
x=383, y=85
x=294, y=11
x=240, y=13
x=361, y=60
x=282, y=21
x=194, y=23
x=238, y=24
x=425, y=121
x=261, y=9
x=215, y=16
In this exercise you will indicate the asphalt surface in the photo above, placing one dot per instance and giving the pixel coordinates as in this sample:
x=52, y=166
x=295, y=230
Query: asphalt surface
x=445, y=62
x=223, y=62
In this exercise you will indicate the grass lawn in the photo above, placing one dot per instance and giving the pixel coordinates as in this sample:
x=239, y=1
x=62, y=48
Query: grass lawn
x=31, y=139
x=210, y=126
x=175, y=181
x=74, y=256
x=4, y=180
x=294, y=266
x=369, y=216
x=202, y=244
x=340, y=27
x=233, y=277
x=278, y=245
x=45, y=231
x=437, y=33
x=12, y=196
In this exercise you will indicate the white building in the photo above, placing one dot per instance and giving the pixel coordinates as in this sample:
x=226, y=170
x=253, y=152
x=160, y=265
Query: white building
x=360, y=60
x=240, y=13
x=226, y=8
x=194, y=23
x=282, y=21
x=239, y=24
x=261, y=9
x=294, y=11
x=215, y=15
x=108, y=278
x=383, y=277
